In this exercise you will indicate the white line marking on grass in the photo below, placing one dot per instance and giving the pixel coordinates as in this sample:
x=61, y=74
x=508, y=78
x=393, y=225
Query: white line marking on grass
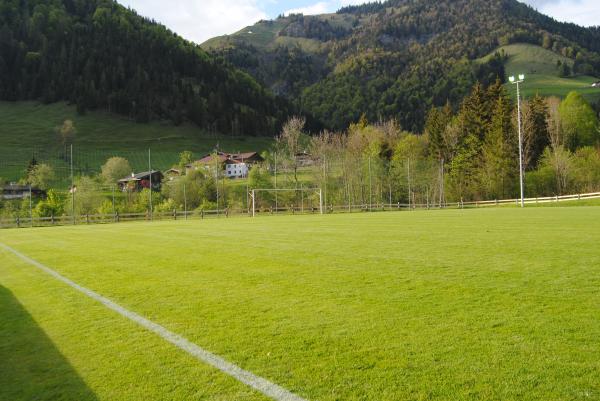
x=264, y=386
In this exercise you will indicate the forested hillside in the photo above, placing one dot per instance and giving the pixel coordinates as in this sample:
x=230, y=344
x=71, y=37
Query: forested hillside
x=99, y=55
x=398, y=58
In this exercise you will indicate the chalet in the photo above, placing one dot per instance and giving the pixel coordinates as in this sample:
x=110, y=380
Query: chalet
x=139, y=181
x=233, y=165
x=15, y=191
x=172, y=173
x=304, y=159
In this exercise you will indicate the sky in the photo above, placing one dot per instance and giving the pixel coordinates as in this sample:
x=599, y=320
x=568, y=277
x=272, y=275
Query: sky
x=200, y=20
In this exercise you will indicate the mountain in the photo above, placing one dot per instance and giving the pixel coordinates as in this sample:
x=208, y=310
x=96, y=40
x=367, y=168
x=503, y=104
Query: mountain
x=99, y=55
x=398, y=58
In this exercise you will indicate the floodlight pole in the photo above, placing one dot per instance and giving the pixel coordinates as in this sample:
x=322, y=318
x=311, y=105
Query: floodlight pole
x=521, y=172
x=370, y=187
x=184, y=202
x=276, y=198
x=150, y=172
x=408, y=179
x=72, y=188
x=321, y=200
x=30, y=205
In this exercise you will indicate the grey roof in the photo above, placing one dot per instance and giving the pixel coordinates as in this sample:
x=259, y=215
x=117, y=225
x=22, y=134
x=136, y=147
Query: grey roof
x=139, y=176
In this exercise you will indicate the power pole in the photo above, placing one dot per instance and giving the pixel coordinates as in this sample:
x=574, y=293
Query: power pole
x=72, y=188
x=441, y=183
x=276, y=198
x=184, y=202
x=370, y=187
x=30, y=206
x=150, y=172
x=408, y=176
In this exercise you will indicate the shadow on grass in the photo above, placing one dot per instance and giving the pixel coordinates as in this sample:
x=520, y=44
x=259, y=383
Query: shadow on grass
x=31, y=367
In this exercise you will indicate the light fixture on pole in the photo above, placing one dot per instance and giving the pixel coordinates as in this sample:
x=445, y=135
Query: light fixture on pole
x=518, y=81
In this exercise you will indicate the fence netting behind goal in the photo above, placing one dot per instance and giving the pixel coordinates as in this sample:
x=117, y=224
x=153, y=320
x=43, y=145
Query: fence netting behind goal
x=295, y=200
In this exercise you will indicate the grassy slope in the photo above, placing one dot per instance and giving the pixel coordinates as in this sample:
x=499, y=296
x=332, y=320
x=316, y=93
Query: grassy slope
x=265, y=35
x=28, y=128
x=539, y=65
x=343, y=307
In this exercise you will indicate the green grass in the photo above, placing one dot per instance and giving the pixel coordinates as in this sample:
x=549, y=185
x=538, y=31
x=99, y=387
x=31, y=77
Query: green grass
x=27, y=128
x=488, y=304
x=573, y=203
x=539, y=66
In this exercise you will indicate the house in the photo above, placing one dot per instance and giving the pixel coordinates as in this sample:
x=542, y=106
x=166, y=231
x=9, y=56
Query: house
x=15, y=191
x=139, y=181
x=304, y=159
x=172, y=173
x=233, y=165
x=596, y=84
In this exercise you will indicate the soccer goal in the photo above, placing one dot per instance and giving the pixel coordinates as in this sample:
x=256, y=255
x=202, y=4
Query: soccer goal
x=286, y=200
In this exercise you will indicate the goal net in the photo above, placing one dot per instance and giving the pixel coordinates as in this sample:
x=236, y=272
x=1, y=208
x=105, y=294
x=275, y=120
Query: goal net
x=286, y=200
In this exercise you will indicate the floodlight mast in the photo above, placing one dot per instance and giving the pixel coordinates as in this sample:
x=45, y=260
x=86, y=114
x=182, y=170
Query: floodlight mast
x=518, y=81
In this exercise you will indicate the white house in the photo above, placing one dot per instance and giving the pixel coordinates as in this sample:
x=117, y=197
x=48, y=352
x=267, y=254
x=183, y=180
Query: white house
x=236, y=169
x=234, y=165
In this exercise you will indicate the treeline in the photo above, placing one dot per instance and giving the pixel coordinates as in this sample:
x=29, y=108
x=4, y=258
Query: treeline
x=99, y=55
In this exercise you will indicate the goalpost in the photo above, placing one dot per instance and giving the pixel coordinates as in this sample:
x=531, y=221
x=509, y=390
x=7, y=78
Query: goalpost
x=297, y=191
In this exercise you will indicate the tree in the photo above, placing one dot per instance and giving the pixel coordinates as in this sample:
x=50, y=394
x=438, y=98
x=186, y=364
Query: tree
x=88, y=196
x=536, y=133
x=437, y=121
x=555, y=129
x=66, y=133
x=40, y=176
x=587, y=169
x=560, y=163
x=194, y=189
x=289, y=142
x=498, y=153
x=115, y=169
x=579, y=121
x=185, y=158
x=53, y=205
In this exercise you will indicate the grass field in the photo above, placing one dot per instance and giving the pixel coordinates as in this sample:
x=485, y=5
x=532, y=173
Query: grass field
x=27, y=128
x=494, y=304
x=539, y=66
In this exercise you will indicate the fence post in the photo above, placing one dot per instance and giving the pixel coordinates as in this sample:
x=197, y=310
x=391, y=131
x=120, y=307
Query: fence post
x=52, y=219
x=117, y=218
x=87, y=219
x=174, y=214
x=202, y=214
x=18, y=222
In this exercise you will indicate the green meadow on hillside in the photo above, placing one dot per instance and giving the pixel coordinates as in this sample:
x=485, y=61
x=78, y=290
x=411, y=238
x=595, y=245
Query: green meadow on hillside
x=28, y=129
x=489, y=304
x=539, y=66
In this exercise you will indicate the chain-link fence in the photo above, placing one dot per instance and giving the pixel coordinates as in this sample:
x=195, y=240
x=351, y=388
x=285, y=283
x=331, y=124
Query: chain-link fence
x=347, y=182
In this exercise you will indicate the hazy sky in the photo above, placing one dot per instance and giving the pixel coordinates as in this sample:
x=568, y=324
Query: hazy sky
x=199, y=20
